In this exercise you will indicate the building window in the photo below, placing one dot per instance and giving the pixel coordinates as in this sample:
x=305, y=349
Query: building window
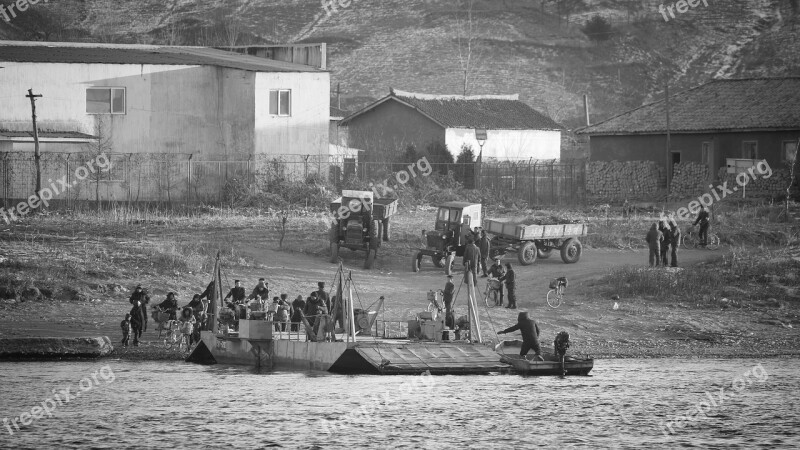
x=750, y=149
x=280, y=102
x=105, y=101
x=789, y=152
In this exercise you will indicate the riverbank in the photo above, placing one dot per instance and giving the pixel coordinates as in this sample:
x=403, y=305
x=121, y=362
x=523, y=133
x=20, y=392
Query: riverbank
x=69, y=276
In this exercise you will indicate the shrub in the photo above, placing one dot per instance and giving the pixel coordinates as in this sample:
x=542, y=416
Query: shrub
x=598, y=29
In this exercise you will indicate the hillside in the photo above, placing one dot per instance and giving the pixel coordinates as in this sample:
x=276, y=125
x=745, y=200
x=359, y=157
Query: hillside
x=517, y=46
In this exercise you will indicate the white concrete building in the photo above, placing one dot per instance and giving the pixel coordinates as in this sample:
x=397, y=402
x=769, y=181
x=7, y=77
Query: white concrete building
x=513, y=129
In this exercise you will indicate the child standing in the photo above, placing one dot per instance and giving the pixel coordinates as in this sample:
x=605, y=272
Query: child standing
x=126, y=329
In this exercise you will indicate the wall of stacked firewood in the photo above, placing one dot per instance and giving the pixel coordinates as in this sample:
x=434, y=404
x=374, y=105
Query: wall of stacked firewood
x=622, y=179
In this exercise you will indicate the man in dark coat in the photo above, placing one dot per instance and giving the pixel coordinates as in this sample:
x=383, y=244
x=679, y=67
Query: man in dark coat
x=140, y=295
x=663, y=227
x=261, y=289
x=170, y=305
x=237, y=292
x=485, y=246
x=704, y=221
x=472, y=258
x=497, y=271
x=447, y=297
x=675, y=241
x=510, y=277
x=323, y=296
x=298, y=305
x=313, y=303
x=137, y=321
x=654, y=238
x=209, y=292
x=530, y=334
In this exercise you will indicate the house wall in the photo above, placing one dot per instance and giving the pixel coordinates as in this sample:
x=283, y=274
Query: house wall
x=507, y=144
x=204, y=110
x=725, y=145
x=388, y=129
x=306, y=130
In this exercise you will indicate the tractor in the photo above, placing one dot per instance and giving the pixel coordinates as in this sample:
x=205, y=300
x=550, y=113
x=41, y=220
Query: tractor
x=360, y=223
x=454, y=222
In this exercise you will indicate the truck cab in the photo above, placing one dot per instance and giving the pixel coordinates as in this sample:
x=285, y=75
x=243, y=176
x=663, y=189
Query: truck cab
x=454, y=222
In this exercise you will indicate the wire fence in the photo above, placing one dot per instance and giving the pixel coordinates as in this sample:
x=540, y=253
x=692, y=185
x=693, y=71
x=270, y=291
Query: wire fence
x=178, y=178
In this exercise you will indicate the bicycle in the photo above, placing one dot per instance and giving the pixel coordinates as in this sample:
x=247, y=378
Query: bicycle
x=178, y=335
x=556, y=293
x=493, y=286
x=689, y=240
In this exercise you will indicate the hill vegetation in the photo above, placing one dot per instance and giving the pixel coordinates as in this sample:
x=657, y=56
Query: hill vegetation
x=537, y=48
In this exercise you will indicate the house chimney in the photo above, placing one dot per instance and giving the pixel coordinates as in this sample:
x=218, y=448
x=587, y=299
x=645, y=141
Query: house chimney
x=586, y=108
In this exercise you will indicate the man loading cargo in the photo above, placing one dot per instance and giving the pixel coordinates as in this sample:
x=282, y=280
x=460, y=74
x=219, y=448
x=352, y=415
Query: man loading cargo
x=530, y=335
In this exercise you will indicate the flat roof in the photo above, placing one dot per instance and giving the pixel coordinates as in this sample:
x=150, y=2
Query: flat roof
x=82, y=53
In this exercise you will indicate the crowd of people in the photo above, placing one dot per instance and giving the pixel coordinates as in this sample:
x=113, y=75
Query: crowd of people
x=664, y=238
x=257, y=305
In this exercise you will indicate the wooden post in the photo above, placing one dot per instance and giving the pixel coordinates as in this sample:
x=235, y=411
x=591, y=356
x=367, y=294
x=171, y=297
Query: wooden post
x=666, y=99
x=37, y=157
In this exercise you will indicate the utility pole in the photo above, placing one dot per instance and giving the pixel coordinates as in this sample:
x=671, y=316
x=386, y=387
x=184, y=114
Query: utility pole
x=338, y=98
x=36, y=155
x=669, y=155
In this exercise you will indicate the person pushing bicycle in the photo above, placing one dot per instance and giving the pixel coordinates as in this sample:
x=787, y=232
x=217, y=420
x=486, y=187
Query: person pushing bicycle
x=705, y=222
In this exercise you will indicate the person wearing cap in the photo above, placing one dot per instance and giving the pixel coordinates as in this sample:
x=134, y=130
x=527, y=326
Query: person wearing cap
x=497, y=271
x=261, y=290
x=449, y=291
x=312, y=304
x=323, y=296
x=511, y=284
x=237, y=292
x=485, y=246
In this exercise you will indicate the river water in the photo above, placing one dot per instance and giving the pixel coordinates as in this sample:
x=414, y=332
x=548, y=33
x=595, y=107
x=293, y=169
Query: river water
x=623, y=404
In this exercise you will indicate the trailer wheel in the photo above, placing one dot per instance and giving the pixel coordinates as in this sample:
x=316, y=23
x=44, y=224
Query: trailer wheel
x=370, y=259
x=571, y=251
x=438, y=261
x=527, y=253
x=334, y=252
x=449, y=262
x=387, y=227
x=416, y=262
x=544, y=253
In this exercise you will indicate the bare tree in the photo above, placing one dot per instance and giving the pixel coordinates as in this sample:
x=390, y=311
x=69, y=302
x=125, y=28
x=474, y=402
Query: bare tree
x=466, y=42
x=230, y=31
x=93, y=151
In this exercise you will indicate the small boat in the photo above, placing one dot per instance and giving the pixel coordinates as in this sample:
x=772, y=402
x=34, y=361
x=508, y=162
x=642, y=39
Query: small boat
x=551, y=365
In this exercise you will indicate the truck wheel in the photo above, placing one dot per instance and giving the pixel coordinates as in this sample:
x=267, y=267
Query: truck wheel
x=370, y=259
x=374, y=235
x=527, y=253
x=387, y=227
x=334, y=252
x=416, y=262
x=544, y=253
x=571, y=251
x=449, y=262
x=438, y=261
